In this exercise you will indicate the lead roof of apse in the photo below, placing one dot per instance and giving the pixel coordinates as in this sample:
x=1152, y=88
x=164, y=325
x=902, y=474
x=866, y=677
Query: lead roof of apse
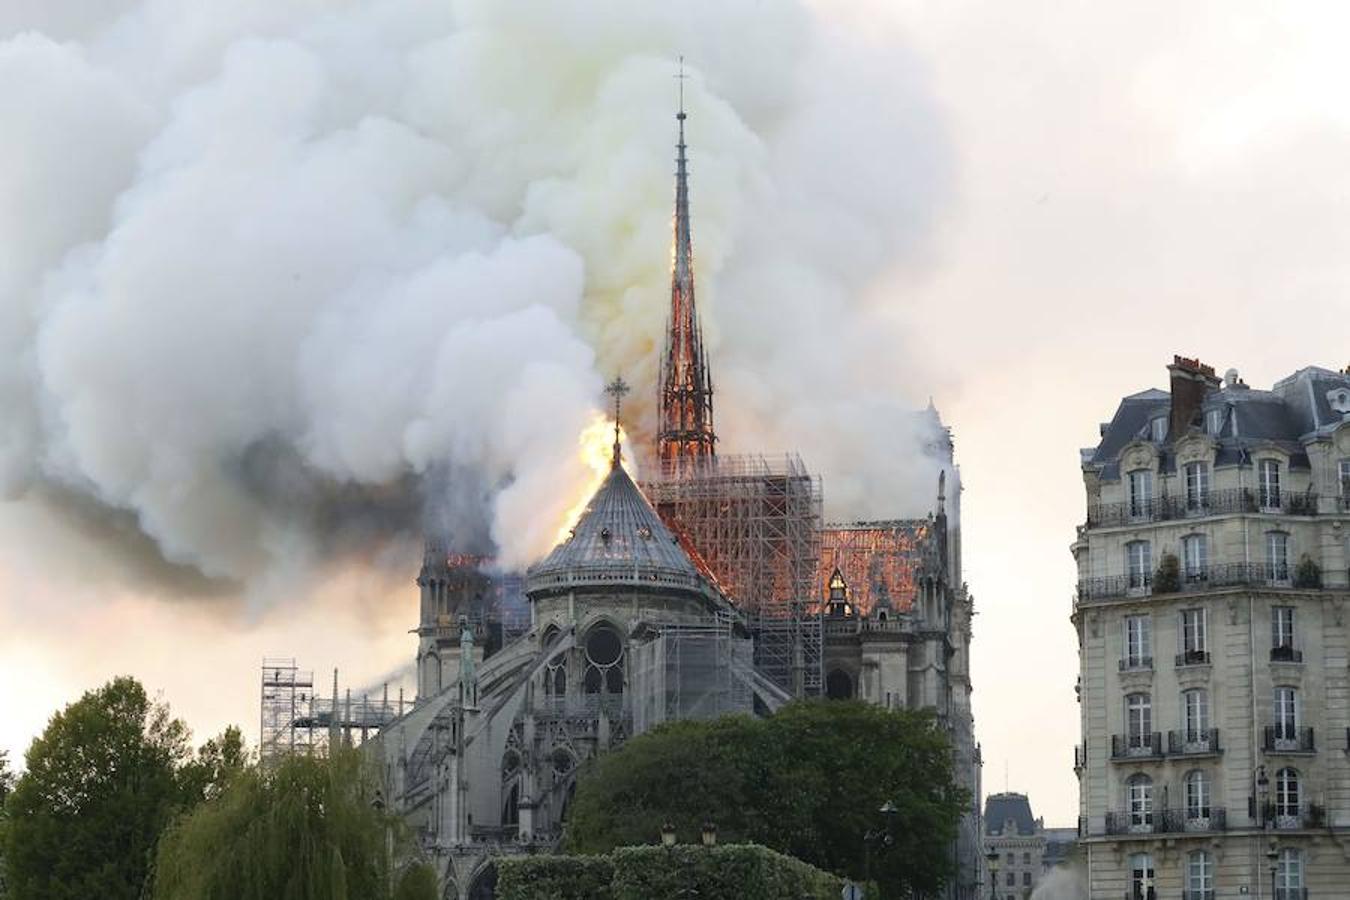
x=620, y=541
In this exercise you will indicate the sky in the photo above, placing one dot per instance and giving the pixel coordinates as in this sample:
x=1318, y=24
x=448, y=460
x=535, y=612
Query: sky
x=1021, y=210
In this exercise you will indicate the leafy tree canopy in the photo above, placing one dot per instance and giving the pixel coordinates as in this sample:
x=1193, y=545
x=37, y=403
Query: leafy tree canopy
x=310, y=829
x=808, y=781
x=102, y=781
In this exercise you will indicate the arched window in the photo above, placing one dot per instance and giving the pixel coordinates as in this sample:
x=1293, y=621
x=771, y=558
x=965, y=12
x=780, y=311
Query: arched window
x=838, y=685
x=1197, y=795
x=1195, y=715
x=511, y=806
x=604, y=661
x=1286, y=793
x=551, y=634
x=1139, y=801
x=1199, y=874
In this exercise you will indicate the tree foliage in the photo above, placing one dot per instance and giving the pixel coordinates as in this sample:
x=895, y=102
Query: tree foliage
x=310, y=829
x=809, y=782
x=101, y=783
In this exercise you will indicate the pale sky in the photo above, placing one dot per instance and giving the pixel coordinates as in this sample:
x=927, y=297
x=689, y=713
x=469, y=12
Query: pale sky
x=1127, y=181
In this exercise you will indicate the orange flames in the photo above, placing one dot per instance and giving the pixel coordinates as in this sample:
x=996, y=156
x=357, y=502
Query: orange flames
x=595, y=446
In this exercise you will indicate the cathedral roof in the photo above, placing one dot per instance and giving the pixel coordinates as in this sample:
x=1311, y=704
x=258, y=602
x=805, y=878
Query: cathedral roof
x=618, y=541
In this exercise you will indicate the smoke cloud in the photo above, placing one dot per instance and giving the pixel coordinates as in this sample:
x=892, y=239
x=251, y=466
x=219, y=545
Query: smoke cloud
x=275, y=273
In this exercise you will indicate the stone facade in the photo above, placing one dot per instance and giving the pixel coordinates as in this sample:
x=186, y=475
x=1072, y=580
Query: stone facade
x=1210, y=613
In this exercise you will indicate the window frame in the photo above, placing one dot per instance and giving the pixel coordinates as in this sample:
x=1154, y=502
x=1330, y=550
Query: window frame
x=1194, y=630
x=1201, y=882
x=1196, y=475
x=1286, y=712
x=1195, y=717
x=1268, y=477
x=1138, y=718
x=1138, y=631
x=1277, y=555
x=1283, y=619
x=1140, y=482
x=1197, y=794
x=1195, y=557
x=1139, y=564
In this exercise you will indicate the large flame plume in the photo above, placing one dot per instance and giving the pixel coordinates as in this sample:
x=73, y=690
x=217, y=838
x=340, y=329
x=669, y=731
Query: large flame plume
x=595, y=447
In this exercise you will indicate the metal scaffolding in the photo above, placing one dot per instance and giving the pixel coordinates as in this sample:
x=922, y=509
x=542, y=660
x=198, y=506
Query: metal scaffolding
x=296, y=720
x=691, y=671
x=750, y=522
x=789, y=647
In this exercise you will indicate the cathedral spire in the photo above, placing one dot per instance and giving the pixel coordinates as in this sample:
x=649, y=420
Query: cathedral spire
x=685, y=437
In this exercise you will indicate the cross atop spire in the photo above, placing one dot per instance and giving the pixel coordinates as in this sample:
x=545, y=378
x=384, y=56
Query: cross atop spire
x=685, y=436
x=616, y=389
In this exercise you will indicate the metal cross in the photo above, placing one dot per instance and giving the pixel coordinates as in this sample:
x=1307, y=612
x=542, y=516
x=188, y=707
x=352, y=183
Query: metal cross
x=616, y=389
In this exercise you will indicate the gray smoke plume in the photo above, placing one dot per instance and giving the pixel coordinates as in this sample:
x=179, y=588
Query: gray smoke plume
x=274, y=272
x=1065, y=883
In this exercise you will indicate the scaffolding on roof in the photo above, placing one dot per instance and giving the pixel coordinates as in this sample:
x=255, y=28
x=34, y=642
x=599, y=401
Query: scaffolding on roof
x=752, y=523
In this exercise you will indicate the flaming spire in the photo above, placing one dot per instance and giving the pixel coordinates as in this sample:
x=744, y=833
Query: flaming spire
x=685, y=437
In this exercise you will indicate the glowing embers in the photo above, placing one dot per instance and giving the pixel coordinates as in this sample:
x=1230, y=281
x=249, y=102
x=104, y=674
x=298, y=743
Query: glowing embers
x=879, y=561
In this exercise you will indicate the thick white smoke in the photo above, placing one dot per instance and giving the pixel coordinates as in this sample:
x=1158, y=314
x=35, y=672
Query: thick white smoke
x=272, y=271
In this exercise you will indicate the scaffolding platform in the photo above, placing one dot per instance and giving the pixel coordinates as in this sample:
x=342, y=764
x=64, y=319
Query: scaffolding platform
x=691, y=671
x=294, y=720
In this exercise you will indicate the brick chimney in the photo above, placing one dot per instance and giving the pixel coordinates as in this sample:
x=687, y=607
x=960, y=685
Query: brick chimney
x=1192, y=380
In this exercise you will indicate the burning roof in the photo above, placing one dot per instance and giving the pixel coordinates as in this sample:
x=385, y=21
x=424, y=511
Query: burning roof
x=880, y=561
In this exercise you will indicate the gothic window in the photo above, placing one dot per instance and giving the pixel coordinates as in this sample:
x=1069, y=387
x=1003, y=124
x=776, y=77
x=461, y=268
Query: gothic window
x=511, y=808
x=563, y=763
x=838, y=685
x=604, y=661
x=510, y=763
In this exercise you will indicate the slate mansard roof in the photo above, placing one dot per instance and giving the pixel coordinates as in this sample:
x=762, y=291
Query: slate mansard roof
x=1296, y=407
x=999, y=809
x=619, y=540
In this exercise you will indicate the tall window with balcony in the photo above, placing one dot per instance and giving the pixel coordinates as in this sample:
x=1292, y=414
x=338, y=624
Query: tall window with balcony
x=1268, y=482
x=1286, y=718
x=1289, y=875
x=1282, y=635
x=1277, y=557
x=1138, y=643
x=1141, y=494
x=1194, y=560
x=1197, y=487
x=1194, y=638
x=1199, y=876
x=1141, y=877
x=1139, y=802
x=1195, y=716
x=1139, y=564
x=1139, y=723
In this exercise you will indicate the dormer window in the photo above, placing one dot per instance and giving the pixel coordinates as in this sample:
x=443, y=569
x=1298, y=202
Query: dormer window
x=1214, y=422
x=1158, y=429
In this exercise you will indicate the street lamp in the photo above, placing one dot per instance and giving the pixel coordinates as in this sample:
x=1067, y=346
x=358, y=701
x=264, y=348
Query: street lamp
x=992, y=857
x=709, y=834
x=881, y=835
x=668, y=835
x=1273, y=856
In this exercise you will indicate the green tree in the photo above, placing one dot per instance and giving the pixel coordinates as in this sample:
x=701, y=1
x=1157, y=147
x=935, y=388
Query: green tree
x=309, y=829
x=101, y=783
x=809, y=781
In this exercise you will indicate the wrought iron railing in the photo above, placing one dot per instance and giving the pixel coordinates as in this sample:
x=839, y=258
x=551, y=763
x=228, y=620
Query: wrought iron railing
x=1288, y=893
x=1197, y=894
x=1136, y=663
x=1283, y=739
x=1285, y=653
x=1289, y=817
x=1192, y=658
x=1203, y=503
x=1197, y=820
x=1137, y=746
x=1210, y=578
x=1187, y=742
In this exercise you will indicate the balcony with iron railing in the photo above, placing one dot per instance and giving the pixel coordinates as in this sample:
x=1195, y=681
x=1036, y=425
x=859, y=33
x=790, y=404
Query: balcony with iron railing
x=1136, y=664
x=1133, y=747
x=1196, y=820
x=1284, y=653
x=1192, y=658
x=1287, y=739
x=1289, y=817
x=1277, y=576
x=1192, y=742
x=1197, y=505
x=1196, y=894
x=1288, y=893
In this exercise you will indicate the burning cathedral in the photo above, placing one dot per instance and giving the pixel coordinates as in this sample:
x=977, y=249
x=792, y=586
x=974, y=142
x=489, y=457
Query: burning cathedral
x=712, y=587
